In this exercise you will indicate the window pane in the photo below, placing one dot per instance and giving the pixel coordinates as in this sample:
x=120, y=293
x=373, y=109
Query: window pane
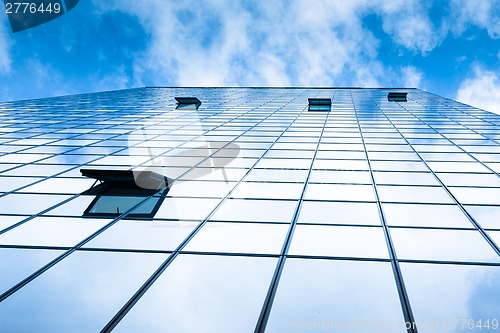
x=79, y=294
x=225, y=293
x=256, y=211
x=52, y=231
x=239, y=238
x=186, y=208
x=339, y=295
x=339, y=213
x=268, y=190
x=413, y=194
x=340, y=192
x=405, y=178
x=335, y=176
x=476, y=195
x=339, y=241
x=18, y=264
x=435, y=244
x=420, y=215
x=486, y=216
x=143, y=235
x=444, y=294
x=16, y=203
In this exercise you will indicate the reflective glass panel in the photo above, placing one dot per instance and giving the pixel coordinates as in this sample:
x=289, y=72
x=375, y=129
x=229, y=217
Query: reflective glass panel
x=448, y=245
x=239, y=238
x=268, y=190
x=186, y=208
x=79, y=294
x=339, y=241
x=449, y=298
x=486, y=216
x=143, y=235
x=225, y=294
x=413, y=194
x=52, y=231
x=340, y=192
x=336, y=295
x=16, y=203
x=255, y=211
x=17, y=264
x=476, y=195
x=421, y=215
x=339, y=213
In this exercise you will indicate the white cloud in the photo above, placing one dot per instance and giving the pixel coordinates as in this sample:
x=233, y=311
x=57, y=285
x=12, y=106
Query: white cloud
x=412, y=77
x=299, y=42
x=409, y=24
x=482, y=90
x=483, y=14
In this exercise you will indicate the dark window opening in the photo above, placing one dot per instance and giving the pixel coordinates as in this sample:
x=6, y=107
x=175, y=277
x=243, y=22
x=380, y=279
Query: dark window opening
x=320, y=104
x=397, y=96
x=189, y=103
x=120, y=190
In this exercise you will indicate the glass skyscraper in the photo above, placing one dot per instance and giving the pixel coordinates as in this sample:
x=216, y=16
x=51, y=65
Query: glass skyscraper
x=249, y=210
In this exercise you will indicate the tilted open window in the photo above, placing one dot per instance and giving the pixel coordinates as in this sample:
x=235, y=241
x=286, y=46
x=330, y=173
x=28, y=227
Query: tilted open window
x=397, y=96
x=189, y=103
x=320, y=104
x=121, y=190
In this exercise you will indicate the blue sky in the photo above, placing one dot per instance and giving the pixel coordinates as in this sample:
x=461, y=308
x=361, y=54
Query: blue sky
x=451, y=48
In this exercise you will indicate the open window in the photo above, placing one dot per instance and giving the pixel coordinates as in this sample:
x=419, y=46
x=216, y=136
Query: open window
x=320, y=104
x=397, y=96
x=119, y=191
x=189, y=103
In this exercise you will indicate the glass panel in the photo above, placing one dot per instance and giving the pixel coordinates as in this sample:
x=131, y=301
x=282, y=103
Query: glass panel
x=457, y=167
x=37, y=170
x=7, y=221
x=74, y=207
x=486, y=216
x=108, y=204
x=475, y=195
x=278, y=175
x=339, y=212
x=268, y=190
x=225, y=293
x=256, y=211
x=334, y=176
x=143, y=235
x=52, y=231
x=413, y=194
x=17, y=264
x=495, y=236
x=344, y=296
x=60, y=185
x=283, y=163
x=340, y=192
x=186, y=208
x=398, y=166
x=405, y=178
x=200, y=189
x=470, y=179
x=448, y=245
x=336, y=241
x=341, y=165
x=79, y=294
x=449, y=216
x=16, y=203
x=239, y=238
x=8, y=184
x=445, y=297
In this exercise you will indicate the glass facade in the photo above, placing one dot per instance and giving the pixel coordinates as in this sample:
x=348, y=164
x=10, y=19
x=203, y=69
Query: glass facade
x=370, y=216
